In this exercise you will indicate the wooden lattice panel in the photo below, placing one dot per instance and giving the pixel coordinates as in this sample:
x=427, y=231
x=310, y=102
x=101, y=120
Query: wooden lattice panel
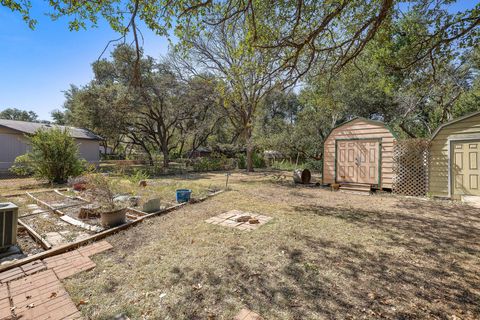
x=410, y=167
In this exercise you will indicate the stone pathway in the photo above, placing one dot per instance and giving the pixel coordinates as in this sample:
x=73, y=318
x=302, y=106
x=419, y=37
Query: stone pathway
x=34, y=291
x=229, y=219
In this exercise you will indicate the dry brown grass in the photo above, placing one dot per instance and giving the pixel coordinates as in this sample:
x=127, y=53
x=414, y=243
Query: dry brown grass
x=21, y=185
x=324, y=256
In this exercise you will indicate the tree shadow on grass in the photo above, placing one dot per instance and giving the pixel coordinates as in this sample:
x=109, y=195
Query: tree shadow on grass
x=422, y=263
x=437, y=273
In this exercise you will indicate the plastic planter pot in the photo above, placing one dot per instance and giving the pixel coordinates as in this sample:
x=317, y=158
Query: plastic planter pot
x=183, y=195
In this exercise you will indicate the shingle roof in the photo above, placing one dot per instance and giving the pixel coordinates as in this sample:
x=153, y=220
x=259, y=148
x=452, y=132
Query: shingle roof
x=31, y=127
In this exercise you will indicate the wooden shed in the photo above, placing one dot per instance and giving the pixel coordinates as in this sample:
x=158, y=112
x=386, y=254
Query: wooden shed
x=455, y=158
x=359, y=153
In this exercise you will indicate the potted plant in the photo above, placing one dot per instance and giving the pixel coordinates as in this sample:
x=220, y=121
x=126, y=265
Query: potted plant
x=100, y=190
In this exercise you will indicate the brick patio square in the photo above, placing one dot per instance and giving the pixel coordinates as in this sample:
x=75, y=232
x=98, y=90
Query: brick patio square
x=33, y=267
x=229, y=219
x=35, y=290
x=10, y=275
x=246, y=314
x=5, y=311
x=95, y=248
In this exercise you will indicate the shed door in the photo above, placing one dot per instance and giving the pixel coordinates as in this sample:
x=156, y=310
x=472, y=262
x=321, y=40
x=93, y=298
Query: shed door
x=357, y=161
x=466, y=168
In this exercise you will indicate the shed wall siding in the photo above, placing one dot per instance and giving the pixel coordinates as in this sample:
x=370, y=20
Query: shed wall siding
x=438, y=177
x=360, y=129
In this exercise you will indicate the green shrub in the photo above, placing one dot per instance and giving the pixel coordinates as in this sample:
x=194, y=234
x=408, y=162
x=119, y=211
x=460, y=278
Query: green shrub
x=138, y=175
x=54, y=156
x=283, y=165
x=242, y=161
x=207, y=164
x=215, y=162
x=258, y=160
x=22, y=166
x=313, y=165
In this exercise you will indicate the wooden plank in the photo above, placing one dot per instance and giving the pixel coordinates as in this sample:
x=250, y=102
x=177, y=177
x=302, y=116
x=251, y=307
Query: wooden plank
x=76, y=197
x=137, y=211
x=81, y=224
x=38, y=201
x=44, y=243
x=98, y=236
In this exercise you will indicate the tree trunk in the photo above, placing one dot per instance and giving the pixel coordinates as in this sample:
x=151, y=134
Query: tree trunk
x=149, y=155
x=249, y=158
x=250, y=149
x=166, y=158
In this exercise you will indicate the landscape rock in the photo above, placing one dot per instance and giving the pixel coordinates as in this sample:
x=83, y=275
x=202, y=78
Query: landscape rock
x=151, y=205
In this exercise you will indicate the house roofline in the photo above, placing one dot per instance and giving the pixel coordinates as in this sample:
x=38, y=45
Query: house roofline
x=94, y=136
x=365, y=119
x=446, y=124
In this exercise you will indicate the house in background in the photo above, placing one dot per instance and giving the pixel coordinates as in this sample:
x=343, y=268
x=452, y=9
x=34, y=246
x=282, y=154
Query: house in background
x=358, y=155
x=14, y=144
x=455, y=158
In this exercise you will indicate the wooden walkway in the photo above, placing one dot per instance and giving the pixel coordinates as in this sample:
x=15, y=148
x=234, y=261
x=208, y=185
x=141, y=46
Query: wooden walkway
x=34, y=290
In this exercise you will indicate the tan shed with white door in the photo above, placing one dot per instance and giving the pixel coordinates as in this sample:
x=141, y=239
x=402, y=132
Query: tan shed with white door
x=359, y=151
x=455, y=158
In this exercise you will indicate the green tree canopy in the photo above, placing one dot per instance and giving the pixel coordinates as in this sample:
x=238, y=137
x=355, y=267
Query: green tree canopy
x=17, y=114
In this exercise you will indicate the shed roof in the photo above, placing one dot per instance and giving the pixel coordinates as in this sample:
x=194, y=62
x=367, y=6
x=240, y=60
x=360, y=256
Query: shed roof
x=31, y=127
x=454, y=121
x=377, y=122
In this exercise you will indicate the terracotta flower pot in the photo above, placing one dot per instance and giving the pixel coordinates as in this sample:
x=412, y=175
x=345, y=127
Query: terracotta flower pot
x=114, y=218
x=80, y=186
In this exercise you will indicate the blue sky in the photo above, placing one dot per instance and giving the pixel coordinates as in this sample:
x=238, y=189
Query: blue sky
x=36, y=66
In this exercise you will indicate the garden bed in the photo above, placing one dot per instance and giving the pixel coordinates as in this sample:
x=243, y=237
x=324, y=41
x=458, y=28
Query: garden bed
x=54, y=230
x=27, y=244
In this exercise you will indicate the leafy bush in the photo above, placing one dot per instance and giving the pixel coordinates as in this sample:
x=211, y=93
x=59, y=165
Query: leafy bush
x=258, y=160
x=313, y=165
x=22, y=166
x=54, y=156
x=138, y=175
x=242, y=161
x=214, y=163
x=208, y=164
x=283, y=165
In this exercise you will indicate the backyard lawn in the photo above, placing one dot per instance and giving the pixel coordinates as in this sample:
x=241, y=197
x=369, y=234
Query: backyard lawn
x=324, y=255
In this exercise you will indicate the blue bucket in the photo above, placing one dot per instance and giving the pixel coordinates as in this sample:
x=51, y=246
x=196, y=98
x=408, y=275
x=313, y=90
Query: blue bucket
x=183, y=195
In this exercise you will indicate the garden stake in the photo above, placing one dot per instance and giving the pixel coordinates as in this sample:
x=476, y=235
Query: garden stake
x=226, y=183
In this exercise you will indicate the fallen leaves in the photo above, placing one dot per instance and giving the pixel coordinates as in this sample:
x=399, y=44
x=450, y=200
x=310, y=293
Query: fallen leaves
x=82, y=302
